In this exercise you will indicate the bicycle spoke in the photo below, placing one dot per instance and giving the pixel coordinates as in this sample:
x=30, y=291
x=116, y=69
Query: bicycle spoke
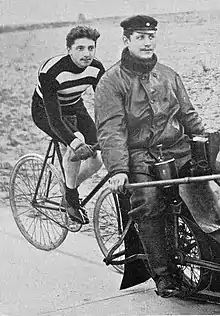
x=38, y=223
x=107, y=224
x=194, y=277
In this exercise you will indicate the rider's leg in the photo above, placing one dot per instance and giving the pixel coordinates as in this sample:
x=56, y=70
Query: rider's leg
x=75, y=173
x=78, y=171
x=71, y=170
x=150, y=223
x=86, y=127
x=151, y=230
x=89, y=167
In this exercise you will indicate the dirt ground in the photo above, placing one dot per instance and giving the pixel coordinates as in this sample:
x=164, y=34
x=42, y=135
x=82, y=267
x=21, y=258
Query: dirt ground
x=188, y=42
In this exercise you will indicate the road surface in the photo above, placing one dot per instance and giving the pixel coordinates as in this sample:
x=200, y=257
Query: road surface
x=72, y=280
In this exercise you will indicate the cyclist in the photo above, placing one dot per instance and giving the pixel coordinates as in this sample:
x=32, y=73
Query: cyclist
x=139, y=104
x=58, y=110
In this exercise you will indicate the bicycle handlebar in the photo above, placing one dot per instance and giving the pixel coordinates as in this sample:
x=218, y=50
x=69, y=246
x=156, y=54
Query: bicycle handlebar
x=93, y=148
x=172, y=181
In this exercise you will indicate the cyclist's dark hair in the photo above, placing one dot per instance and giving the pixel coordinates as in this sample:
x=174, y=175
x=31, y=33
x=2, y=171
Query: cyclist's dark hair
x=81, y=32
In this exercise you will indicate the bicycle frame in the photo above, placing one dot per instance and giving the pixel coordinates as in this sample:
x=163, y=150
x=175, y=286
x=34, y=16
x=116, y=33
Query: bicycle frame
x=176, y=210
x=53, y=151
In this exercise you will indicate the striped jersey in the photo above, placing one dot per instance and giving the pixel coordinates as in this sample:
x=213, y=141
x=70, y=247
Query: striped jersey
x=61, y=76
x=59, y=90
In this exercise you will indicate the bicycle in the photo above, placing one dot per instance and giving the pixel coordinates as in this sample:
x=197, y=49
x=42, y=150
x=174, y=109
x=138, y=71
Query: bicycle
x=36, y=192
x=194, y=256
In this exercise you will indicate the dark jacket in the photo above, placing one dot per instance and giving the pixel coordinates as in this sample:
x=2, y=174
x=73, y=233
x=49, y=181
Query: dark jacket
x=134, y=110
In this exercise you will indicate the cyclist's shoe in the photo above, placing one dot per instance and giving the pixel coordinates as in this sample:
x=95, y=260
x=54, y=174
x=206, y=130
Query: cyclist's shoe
x=167, y=286
x=77, y=213
x=73, y=225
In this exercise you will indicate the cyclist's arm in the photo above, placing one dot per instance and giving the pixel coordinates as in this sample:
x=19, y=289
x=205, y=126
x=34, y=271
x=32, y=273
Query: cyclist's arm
x=101, y=72
x=53, y=110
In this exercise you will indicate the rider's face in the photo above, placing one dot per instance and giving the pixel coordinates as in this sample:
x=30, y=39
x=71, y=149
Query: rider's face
x=82, y=52
x=141, y=44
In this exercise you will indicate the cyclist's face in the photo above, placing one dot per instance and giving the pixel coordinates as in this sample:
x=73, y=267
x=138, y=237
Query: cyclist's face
x=141, y=44
x=82, y=52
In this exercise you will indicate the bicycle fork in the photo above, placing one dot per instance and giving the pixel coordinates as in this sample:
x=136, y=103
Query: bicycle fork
x=109, y=259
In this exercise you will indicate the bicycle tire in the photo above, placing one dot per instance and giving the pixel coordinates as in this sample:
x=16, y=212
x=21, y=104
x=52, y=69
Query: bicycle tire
x=107, y=224
x=41, y=227
x=192, y=244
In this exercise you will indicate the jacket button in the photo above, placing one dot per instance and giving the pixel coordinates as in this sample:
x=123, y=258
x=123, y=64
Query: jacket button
x=144, y=77
x=154, y=75
x=152, y=101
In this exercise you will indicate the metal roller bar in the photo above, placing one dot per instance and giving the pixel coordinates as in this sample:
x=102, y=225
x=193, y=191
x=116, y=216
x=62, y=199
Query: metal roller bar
x=172, y=181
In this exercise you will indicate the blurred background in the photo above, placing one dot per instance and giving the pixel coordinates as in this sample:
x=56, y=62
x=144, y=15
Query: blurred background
x=38, y=11
x=33, y=30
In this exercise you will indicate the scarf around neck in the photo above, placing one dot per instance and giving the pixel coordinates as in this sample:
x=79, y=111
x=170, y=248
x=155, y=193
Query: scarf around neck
x=136, y=64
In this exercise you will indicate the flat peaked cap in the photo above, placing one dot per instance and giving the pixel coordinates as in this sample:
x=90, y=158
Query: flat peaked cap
x=139, y=22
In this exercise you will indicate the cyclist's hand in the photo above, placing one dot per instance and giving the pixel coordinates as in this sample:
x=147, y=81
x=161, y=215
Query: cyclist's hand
x=82, y=151
x=117, y=182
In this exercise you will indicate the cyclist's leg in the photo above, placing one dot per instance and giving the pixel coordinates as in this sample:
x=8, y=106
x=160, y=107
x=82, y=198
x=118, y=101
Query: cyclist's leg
x=89, y=167
x=78, y=171
x=71, y=168
x=87, y=127
x=40, y=119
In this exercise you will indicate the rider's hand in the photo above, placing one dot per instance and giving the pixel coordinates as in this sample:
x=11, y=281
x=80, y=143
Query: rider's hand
x=81, y=150
x=117, y=182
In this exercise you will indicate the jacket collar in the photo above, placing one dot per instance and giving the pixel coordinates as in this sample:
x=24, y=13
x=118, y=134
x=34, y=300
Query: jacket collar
x=137, y=65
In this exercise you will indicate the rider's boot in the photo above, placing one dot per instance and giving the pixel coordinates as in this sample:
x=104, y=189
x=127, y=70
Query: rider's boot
x=166, y=286
x=152, y=234
x=72, y=205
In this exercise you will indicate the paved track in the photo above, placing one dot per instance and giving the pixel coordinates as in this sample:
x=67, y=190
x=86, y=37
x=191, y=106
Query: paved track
x=72, y=280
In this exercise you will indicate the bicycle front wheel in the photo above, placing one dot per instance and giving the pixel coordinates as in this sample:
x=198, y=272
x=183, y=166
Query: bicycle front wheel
x=107, y=223
x=40, y=219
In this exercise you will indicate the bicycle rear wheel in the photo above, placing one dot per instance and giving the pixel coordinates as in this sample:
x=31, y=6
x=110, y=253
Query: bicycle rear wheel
x=192, y=244
x=41, y=221
x=107, y=223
